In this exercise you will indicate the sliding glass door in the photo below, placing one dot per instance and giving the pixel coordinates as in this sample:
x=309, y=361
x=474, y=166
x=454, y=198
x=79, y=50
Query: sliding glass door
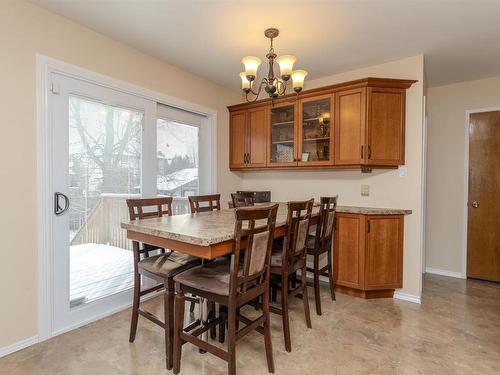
x=99, y=159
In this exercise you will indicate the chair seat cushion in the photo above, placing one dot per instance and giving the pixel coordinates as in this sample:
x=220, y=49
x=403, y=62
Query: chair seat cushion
x=168, y=265
x=211, y=278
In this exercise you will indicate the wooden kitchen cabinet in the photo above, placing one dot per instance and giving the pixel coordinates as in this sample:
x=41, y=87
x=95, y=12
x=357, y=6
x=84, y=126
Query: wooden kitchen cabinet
x=370, y=126
x=368, y=254
x=358, y=124
x=350, y=126
x=248, y=138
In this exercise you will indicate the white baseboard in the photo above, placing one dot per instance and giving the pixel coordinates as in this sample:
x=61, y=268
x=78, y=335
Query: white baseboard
x=437, y=271
x=6, y=350
x=407, y=297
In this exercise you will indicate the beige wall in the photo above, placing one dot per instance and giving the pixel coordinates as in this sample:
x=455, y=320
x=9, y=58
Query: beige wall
x=387, y=189
x=24, y=31
x=446, y=107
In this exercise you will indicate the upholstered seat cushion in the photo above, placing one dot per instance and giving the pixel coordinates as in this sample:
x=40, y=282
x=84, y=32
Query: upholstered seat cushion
x=168, y=265
x=212, y=277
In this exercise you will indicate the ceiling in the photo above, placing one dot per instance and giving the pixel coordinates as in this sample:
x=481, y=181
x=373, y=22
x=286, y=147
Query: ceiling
x=460, y=39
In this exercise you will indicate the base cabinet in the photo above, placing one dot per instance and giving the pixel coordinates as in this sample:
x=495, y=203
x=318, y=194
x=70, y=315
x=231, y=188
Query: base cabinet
x=368, y=254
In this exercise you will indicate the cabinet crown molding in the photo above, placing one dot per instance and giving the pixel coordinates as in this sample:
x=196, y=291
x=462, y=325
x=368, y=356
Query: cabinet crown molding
x=364, y=82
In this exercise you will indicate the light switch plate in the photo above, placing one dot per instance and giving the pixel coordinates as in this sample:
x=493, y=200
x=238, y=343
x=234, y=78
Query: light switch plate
x=403, y=171
x=365, y=190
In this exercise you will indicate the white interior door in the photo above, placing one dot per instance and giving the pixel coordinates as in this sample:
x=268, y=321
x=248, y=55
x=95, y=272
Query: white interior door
x=101, y=154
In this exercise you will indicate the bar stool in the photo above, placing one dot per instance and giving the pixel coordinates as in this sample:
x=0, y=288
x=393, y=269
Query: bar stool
x=321, y=243
x=290, y=259
x=232, y=284
x=243, y=199
x=209, y=202
x=161, y=268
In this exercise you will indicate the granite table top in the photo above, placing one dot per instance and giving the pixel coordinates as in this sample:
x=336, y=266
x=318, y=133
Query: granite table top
x=209, y=228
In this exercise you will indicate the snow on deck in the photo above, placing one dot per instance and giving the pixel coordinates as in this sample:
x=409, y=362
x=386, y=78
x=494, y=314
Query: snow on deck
x=97, y=271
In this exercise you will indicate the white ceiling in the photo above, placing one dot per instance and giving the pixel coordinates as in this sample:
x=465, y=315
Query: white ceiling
x=460, y=39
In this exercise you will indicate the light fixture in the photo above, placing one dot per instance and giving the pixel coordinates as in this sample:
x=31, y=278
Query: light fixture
x=274, y=86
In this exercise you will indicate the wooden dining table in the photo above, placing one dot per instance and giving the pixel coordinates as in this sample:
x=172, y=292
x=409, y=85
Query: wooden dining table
x=207, y=235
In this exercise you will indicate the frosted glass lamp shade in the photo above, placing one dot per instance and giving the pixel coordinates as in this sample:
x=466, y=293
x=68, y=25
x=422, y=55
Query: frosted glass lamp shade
x=286, y=66
x=246, y=85
x=251, y=64
x=298, y=77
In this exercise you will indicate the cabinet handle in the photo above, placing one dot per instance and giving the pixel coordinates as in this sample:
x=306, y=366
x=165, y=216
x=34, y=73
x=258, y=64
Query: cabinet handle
x=362, y=151
x=369, y=226
x=248, y=158
x=369, y=152
x=245, y=158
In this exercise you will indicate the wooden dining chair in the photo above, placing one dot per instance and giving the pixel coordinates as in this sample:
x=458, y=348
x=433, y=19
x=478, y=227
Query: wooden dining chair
x=321, y=243
x=232, y=284
x=160, y=267
x=285, y=263
x=204, y=203
x=243, y=199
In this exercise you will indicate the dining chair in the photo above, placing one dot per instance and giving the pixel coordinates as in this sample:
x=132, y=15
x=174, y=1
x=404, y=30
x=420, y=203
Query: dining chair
x=243, y=199
x=232, y=284
x=160, y=267
x=321, y=243
x=204, y=203
x=290, y=258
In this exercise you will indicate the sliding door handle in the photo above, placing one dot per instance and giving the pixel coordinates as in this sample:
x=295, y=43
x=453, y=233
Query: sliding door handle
x=58, y=210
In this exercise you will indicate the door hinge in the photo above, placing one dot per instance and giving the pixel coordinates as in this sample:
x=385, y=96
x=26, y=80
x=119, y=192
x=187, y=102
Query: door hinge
x=54, y=88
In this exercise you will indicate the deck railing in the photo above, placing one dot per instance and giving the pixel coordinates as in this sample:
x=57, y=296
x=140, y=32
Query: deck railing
x=103, y=223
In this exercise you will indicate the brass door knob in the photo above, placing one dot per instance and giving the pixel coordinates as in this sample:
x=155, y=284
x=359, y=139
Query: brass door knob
x=475, y=204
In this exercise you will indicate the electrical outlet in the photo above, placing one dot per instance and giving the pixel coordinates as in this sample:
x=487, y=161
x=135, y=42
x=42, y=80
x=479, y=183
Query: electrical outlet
x=365, y=190
x=403, y=171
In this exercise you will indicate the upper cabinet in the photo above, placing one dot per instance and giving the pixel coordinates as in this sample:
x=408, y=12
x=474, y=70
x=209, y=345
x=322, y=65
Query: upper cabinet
x=358, y=124
x=283, y=150
x=315, y=136
x=248, y=138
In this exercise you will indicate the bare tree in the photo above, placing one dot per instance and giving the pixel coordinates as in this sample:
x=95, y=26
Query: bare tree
x=109, y=148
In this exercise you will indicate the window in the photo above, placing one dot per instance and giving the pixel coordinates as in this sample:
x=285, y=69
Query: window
x=177, y=158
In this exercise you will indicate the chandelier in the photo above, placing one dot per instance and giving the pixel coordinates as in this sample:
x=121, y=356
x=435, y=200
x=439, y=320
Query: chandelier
x=274, y=86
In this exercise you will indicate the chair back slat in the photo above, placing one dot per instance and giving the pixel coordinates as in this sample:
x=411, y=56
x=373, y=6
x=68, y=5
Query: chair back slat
x=326, y=223
x=204, y=203
x=253, y=238
x=298, y=219
x=243, y=199
x=162, y=206
x=136, y=207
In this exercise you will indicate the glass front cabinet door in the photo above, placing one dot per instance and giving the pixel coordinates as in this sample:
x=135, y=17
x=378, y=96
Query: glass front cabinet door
x=315, y=134
x=283, y=135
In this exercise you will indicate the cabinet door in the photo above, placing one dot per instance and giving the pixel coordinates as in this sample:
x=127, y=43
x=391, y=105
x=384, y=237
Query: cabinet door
x=257, y=137
x=350, y=115
x=384, y=252
x=283, y=136
x=385, y=128
x=315, y=135
x=237, y=139
x=349, y=250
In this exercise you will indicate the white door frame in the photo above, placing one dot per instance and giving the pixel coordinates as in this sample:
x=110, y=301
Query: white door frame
x=45, y=66
x=468, y=113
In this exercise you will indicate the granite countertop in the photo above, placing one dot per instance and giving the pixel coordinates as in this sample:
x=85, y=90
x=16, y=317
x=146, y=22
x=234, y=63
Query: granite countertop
x=372, y=210
x=208, y=228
